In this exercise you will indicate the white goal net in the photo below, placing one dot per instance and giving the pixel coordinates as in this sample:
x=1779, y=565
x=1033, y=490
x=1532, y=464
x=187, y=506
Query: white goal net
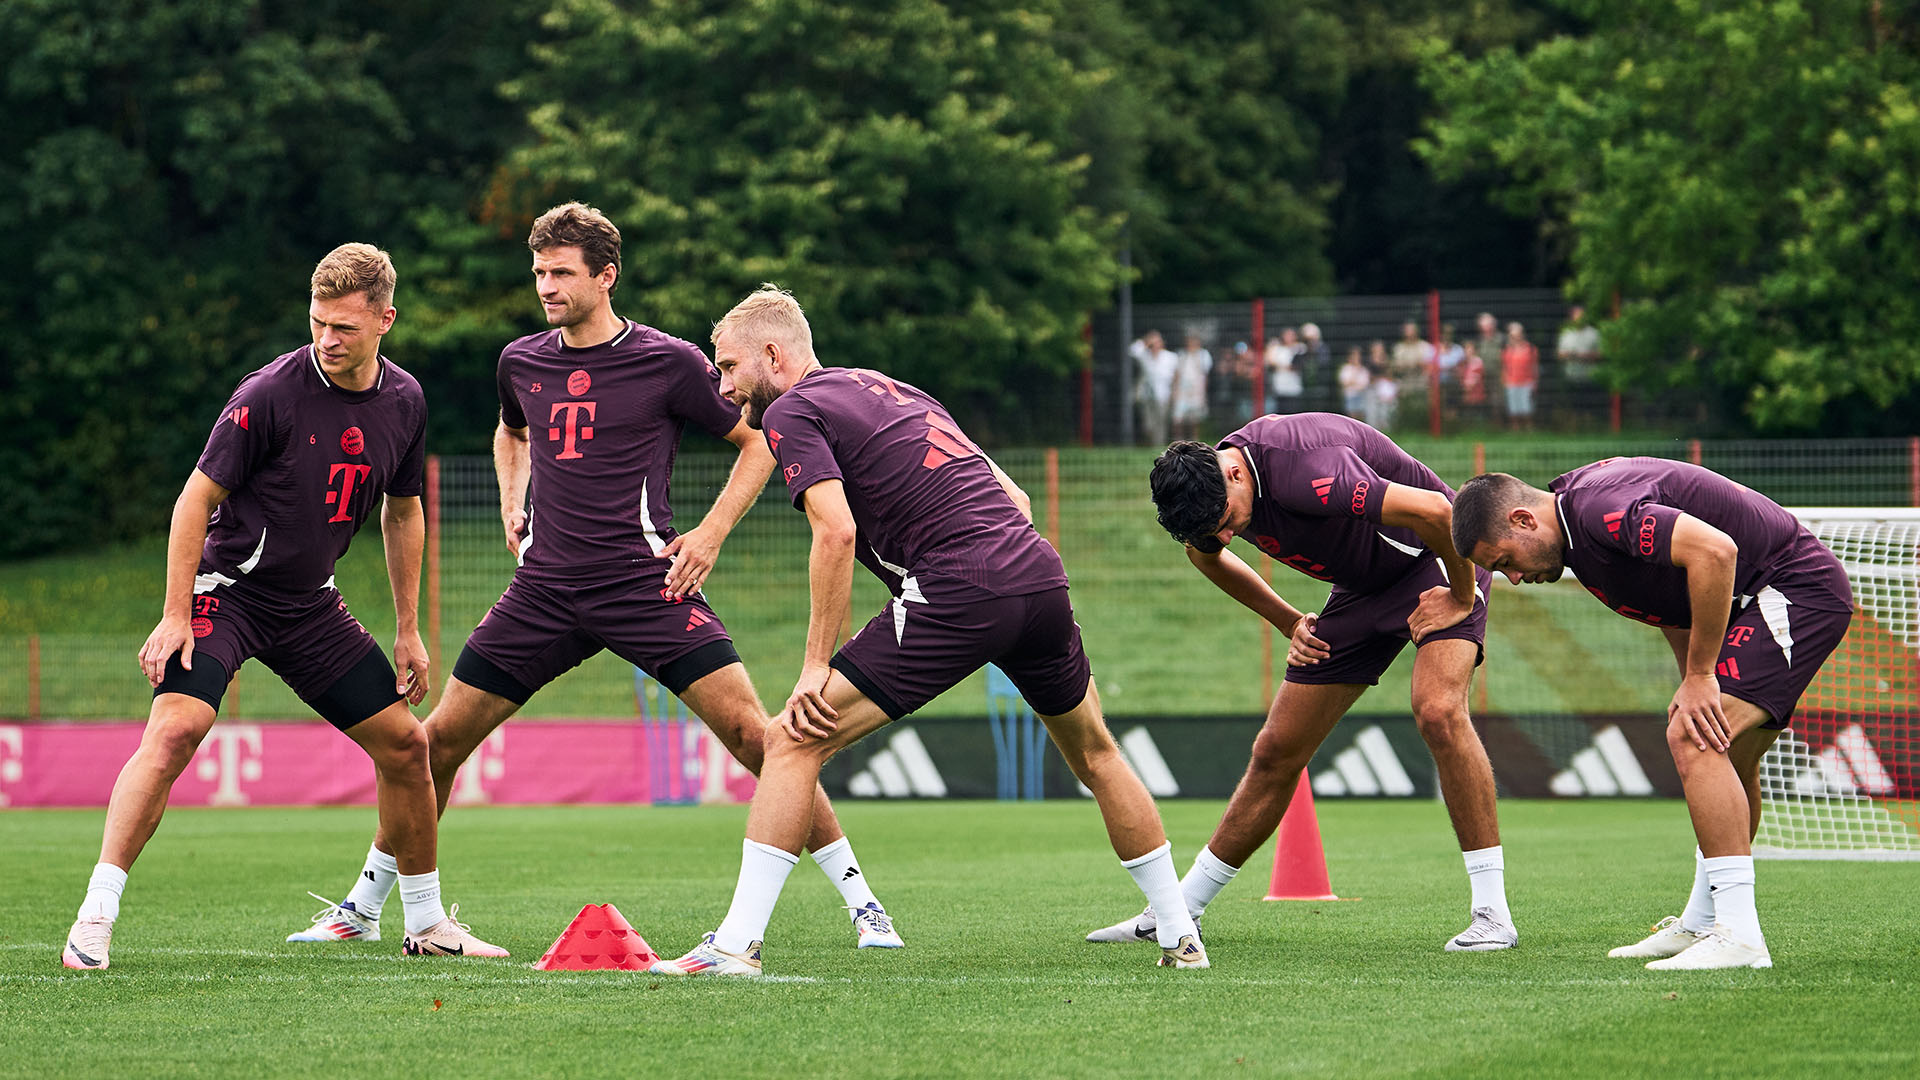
x=1844, y=782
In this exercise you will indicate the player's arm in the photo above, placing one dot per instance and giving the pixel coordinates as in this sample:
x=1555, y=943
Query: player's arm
x=1020, y=500
x=1678, y=640
x=1234, y=577
x=186, y=537
x=512, y=465
x=1709, y=557
x=403, y=534
x=695, y=551
x=830, y=582
x=1430, y=515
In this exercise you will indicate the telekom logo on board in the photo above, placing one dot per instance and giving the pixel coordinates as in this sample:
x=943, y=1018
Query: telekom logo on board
x=229, y=758
x=13, y=750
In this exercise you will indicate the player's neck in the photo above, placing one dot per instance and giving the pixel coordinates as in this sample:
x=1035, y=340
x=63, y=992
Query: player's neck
x=357, y=379
x=596, y=329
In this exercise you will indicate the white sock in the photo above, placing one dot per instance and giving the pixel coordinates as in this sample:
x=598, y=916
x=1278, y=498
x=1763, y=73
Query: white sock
x=103, y=893
x=1204, y=882
x=1731, y=879
x=837, y=862
x=1699, y=914
x=420, y=901
x=1153, y=872
x=1487, y=876
x=763, y=873
x=371, y=889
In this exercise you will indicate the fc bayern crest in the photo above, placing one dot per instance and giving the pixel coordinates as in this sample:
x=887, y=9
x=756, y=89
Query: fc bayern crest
x=352, y=441
x=579, y=383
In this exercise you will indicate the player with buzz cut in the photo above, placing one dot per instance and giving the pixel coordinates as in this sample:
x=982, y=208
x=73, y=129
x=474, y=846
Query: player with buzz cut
x=1339, y=502
x=301, y=453
x=1751, y=603
x=885, y=476
x=592, y=412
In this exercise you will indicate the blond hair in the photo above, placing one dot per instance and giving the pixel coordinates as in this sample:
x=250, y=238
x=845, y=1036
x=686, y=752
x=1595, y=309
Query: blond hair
x=352, y=268
x=769, y=313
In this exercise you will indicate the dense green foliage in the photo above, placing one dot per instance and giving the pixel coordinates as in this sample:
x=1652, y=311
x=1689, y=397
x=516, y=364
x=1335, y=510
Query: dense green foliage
x=1745, y=175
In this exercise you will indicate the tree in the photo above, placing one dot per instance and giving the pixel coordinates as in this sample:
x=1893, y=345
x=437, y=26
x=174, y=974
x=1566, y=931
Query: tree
x=1744, y=174
x=903, y=166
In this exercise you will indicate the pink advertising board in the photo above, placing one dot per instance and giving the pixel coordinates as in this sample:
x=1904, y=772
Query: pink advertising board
x=311, y=764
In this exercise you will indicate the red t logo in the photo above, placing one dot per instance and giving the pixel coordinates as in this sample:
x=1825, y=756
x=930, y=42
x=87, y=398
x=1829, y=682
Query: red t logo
x=574, y=429
x=346, y=475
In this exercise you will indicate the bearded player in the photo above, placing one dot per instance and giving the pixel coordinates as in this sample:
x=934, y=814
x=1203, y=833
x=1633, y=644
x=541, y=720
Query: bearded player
x=1339, y=502
x=1751, y=603
x=885, y=476
x=592, y=413
x=303, y=451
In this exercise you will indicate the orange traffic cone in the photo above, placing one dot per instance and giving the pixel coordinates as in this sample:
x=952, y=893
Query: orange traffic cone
x=1299, y=862
x=599, y=939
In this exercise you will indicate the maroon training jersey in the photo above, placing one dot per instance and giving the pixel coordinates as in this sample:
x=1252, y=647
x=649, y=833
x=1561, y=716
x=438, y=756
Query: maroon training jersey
x=1618, y=518
x=1319, y=480
x=603, y=425
x=925, y=500
x=306, y=462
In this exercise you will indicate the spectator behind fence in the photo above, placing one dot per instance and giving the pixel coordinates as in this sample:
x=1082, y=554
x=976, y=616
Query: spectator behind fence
x=1578, y=347
x=1412, y=356
x=1447, y=356
x=1473, y=381
x=1490, y=340
x=1241, y=369
x=1316, y=365
x=1189, y=396
x=1383, y=392
x=1283, y=376
x=1520, y=371
x=1153, y=385
x=1353, y=384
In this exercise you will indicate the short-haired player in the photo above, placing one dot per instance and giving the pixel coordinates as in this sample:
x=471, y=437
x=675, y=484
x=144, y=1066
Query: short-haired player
x=301, y=453
x=886, y=477
x=1751, y=603
x=1339, y=502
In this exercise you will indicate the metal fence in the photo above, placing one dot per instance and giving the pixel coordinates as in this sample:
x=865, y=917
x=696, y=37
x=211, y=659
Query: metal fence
x=1163, y=640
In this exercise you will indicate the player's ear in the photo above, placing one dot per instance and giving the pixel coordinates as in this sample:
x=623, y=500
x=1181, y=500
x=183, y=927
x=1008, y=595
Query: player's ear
x=1522, y=518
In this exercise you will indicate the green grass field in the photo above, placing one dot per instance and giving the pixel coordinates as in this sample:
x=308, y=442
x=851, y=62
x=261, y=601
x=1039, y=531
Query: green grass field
x=993, y=900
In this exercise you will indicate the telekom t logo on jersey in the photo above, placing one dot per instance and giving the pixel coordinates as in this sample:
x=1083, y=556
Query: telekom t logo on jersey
x=341, y=480
x=571, y=429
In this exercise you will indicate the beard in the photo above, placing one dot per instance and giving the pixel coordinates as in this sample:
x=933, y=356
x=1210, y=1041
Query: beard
x=567, y=316
x=757, y=400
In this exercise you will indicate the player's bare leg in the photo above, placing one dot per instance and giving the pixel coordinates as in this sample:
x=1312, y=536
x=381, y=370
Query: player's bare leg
x=1298, y=721
x=1442, y=678
x=725, y=700
x=176, y=725
x=1722, y=791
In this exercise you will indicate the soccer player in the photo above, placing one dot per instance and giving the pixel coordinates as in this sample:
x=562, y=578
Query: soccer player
x=885, y=476
x=302, y=452
x=1751, y=604
x=600, y=566
x=1340, y=502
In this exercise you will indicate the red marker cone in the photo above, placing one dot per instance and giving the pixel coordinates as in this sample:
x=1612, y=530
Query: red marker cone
x=599, y=939
x=1299, y=861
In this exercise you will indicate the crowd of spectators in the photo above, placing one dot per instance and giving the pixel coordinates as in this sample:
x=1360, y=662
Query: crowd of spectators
x=1188, y=395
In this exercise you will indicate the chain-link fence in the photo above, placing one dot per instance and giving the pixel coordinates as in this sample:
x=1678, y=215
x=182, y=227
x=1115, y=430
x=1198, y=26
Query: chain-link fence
x=1163, y=640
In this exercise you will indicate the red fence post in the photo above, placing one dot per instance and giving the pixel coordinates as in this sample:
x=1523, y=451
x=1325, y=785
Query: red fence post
x=1259, y=347
x=1693, y=451
x=433, y=573
x=1433, y=362
x=1053, y=497
x=1086, y=406
x=33, y=676
x=1479, y=458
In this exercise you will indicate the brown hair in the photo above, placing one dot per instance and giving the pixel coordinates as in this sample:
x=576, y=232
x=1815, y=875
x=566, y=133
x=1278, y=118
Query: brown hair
x=352, y=268
x=578, y=225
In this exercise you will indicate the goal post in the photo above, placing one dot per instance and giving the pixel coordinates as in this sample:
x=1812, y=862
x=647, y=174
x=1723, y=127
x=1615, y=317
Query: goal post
x=1844, y=781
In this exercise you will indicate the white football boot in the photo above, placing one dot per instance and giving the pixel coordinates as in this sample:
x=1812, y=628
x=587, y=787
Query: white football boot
x=707, y=958
x=875, y=928
x=448, y=937
x=1188, y=954
x=1717, y=949
x=1485, y=933
x=339, y=922
x=1141, y=927
x=87, y=945
x=1669, y=938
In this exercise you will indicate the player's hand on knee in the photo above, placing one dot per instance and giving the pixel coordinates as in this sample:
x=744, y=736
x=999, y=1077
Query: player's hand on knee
x=1303, y=647
x=173, y=634
x=1438, y=610
x=693, y=554
x=410, y=667
x=807, y=712
x=1696, y=707
x=515, y=523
